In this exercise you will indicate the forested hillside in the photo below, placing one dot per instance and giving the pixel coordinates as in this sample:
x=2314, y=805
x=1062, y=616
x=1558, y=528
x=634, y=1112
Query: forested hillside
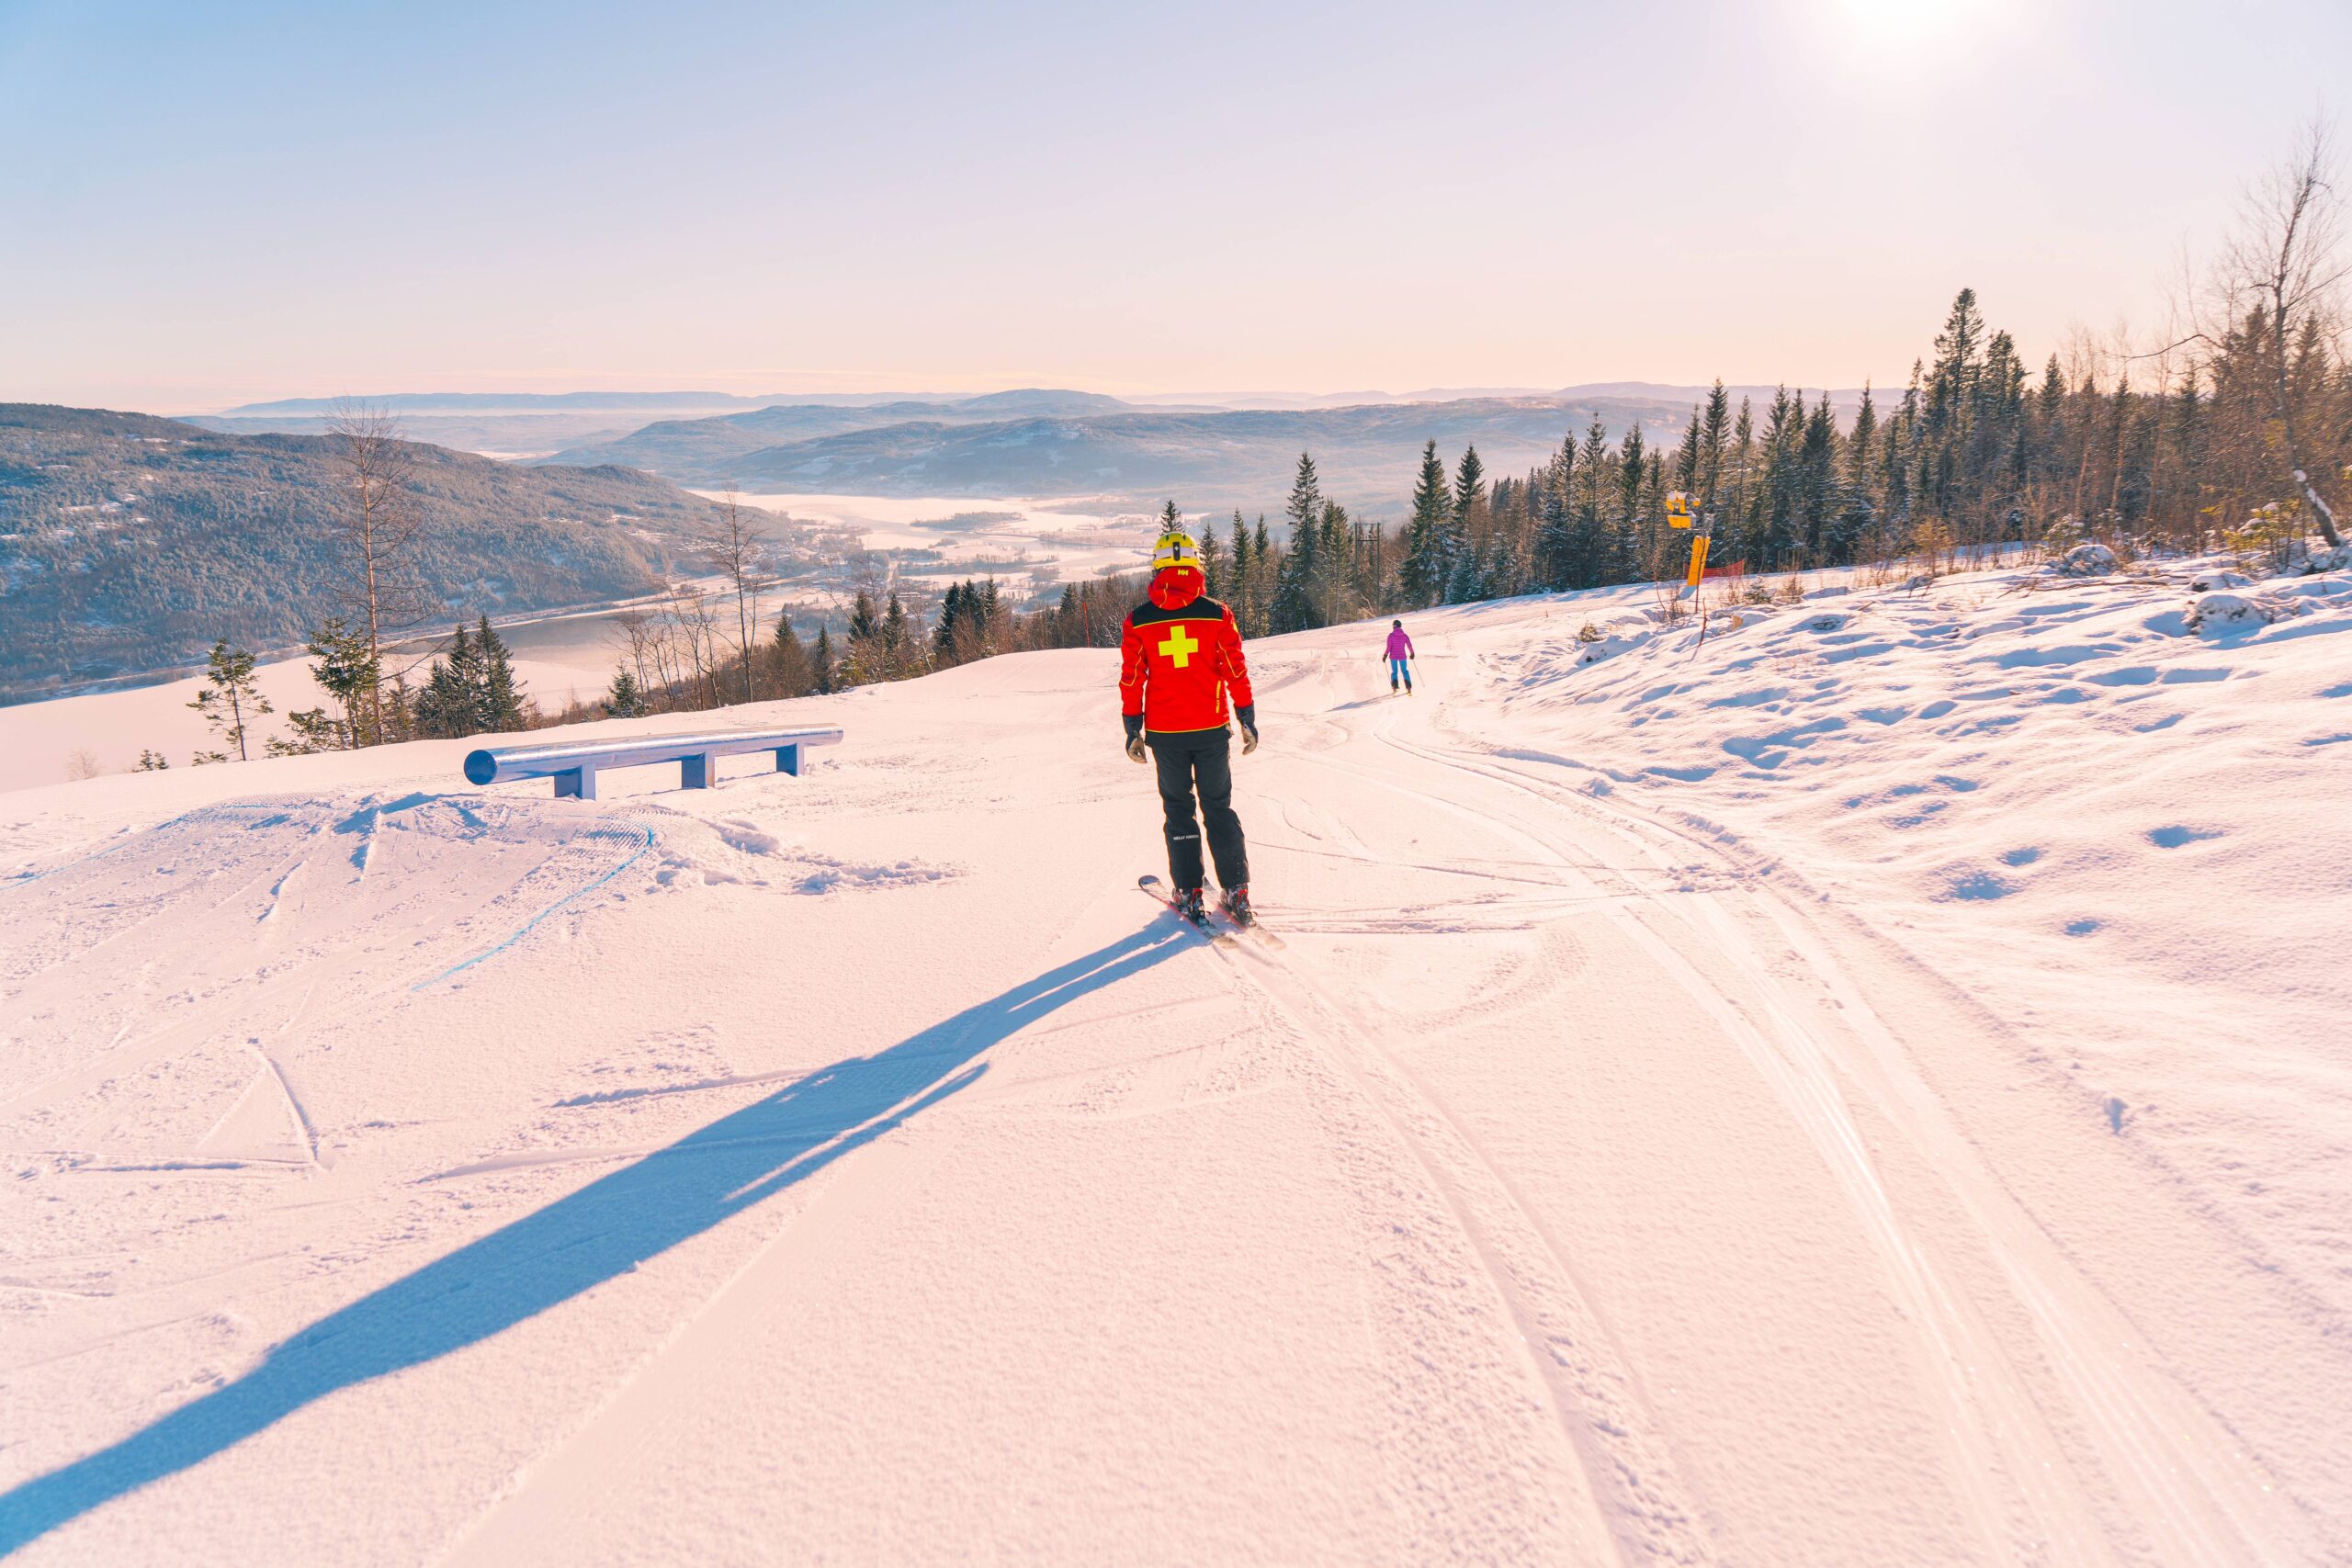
x=130, y=543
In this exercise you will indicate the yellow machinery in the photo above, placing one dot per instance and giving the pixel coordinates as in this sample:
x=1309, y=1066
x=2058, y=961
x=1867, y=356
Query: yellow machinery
x=1679, y=515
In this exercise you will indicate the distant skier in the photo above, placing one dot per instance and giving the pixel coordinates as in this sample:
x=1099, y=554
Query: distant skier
x=1400, y=658
x=1180, y=655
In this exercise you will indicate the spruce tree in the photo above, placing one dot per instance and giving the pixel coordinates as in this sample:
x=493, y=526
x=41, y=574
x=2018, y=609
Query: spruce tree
x=449, y=707
x=1239, y=592
x=1306, y=507
x=347, y=671
x=788, y=669
x=1294, y=605
x=1817, y=499
x=1714, y=436
x=1469, y=486
x=1334, y=566
x=1422, y=576
x=623, y=700
x=1554, y=540
x=951, y=617
x=865, y=656
x=1633, y=471
x=1262, y=585
x=500, y=701
x=1589, y=525
x=1860, y=441
x=1686, y=456
x=229, y=701
x=824, y=670
x=1292, y=608
x=898, y=656
x=1464, y=585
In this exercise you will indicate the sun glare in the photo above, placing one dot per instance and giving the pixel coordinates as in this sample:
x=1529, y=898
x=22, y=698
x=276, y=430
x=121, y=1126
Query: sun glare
x=1888, y=26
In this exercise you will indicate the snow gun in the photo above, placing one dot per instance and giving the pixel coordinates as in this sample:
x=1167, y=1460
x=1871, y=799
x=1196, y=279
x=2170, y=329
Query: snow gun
x=1679, y=515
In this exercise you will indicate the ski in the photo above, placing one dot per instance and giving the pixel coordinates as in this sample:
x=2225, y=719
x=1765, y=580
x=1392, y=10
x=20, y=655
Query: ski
x=1159, y=890
x=1251, y=927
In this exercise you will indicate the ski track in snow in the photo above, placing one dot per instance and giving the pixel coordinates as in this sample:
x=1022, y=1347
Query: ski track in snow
x=1759, y=1101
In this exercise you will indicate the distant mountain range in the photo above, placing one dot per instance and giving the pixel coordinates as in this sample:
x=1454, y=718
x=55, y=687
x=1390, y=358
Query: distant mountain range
x=1061, y=444
x=535, y=424
x=1367, y=453
x=128, y=543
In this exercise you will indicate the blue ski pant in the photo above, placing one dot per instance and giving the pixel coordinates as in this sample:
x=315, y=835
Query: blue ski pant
x=1400, y=669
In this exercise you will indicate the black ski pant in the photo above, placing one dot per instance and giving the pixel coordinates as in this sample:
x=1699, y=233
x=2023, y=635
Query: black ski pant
x=1202, y=760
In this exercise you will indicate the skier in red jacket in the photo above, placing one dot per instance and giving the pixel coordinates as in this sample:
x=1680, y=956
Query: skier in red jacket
x=1180, y=673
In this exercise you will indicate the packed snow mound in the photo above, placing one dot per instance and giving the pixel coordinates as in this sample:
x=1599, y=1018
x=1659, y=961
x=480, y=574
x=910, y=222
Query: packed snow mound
x=2085, y=561
x=1800, y=1087
x=2220, y=612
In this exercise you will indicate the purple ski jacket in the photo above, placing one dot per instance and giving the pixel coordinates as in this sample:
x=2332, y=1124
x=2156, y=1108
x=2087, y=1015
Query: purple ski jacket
x=1399, y=645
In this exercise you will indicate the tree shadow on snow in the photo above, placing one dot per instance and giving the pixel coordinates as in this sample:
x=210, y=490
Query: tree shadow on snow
x=605, y=1229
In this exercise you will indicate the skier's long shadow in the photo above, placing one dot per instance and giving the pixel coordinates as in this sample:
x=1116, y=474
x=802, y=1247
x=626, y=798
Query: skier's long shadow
x=578, y=1242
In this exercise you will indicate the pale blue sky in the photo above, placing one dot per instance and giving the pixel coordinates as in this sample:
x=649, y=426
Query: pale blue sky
x=203, y=204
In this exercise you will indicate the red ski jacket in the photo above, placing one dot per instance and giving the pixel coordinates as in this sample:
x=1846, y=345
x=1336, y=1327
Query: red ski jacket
x=1180, y=655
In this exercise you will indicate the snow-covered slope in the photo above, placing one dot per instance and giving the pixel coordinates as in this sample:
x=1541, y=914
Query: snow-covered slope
x=1870, y=1089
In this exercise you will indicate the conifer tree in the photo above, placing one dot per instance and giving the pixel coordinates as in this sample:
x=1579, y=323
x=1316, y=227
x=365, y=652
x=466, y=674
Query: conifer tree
x=1633, y=472
x=1464, y=585
x=1714, y=433
x=451, y=705
x=1469, y=486
x=991, y=615
x=1742, y=458
x=1294, y=607
x=231, y=700
x=1242, y=592
x=623, y=700
x=501, y=700
x=1422, y=576
x=823, y=668
x=1306, y=507
x=1686, y=456
x=346, y=671
x=1860, y=441
x=1261, y=589
x=1554, y=539
x=898, y=656
x=1334, y=566
x=863, y=626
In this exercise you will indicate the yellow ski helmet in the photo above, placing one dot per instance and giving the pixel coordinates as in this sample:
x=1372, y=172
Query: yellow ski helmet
x=1175, y=549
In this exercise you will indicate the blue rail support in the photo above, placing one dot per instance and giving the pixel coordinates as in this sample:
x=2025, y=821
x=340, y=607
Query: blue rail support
x=576, y=765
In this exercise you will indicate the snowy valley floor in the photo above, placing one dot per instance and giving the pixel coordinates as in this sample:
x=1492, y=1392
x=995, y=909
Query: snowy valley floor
x=1874, y=1088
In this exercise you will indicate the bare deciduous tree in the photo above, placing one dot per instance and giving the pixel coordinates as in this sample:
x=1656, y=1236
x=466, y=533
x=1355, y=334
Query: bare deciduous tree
x=377, y=521
x=731, y=546
x=2290, y=256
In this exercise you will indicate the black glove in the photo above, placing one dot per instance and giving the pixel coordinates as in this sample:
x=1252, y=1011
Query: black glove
x=1249, y=717
x=1134, y=721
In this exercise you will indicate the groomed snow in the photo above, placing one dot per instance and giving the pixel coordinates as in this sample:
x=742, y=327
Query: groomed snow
x=1871, y=1088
